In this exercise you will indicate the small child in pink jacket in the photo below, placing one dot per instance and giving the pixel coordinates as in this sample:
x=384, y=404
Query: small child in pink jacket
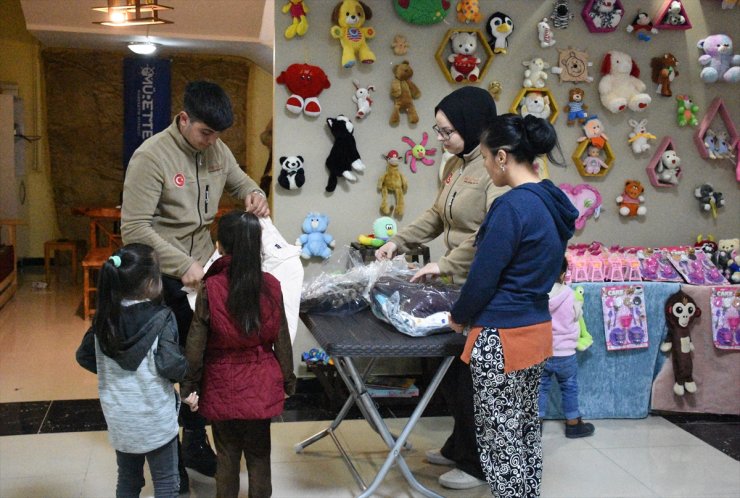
x=565, y=311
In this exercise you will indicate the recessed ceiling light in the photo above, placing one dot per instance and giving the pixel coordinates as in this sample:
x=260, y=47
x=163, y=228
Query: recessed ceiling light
x=142, y=48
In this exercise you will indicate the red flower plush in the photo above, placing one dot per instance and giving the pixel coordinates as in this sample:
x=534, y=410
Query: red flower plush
x=305, y=82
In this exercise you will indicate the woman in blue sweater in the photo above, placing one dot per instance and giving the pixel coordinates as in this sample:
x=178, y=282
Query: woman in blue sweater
x=505, y=301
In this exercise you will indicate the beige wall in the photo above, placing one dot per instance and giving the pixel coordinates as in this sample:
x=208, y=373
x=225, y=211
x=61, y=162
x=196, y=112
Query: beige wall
x=259, y=102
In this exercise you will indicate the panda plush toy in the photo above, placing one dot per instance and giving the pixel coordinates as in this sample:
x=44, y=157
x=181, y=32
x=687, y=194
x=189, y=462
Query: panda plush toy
x=291, y=175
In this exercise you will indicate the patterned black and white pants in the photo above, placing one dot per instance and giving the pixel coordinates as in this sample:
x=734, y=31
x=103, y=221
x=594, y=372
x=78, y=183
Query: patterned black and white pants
x=507, y=426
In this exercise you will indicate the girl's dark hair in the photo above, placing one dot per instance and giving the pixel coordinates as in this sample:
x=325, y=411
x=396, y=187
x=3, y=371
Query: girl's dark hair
x=524, y=138
x=131, y=273
x=240, y=236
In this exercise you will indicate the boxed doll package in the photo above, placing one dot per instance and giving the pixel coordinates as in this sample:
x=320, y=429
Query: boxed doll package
x=625, y=319
x=725, y=306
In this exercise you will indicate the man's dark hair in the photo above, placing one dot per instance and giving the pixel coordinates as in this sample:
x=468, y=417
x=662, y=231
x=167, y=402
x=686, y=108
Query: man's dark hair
x=207, y=102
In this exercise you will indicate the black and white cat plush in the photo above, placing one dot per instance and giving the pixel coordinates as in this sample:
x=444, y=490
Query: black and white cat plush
x=291, y=175
x=343, y=157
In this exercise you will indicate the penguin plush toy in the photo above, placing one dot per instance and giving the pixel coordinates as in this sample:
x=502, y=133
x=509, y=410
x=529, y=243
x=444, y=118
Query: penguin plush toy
x=499, y=27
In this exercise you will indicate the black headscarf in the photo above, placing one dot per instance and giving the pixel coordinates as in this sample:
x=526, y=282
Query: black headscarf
x=469, y=110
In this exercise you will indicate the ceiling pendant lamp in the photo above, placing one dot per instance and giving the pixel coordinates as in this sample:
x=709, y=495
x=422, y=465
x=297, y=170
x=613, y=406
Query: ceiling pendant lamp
x=132, y=13
x=142, y=48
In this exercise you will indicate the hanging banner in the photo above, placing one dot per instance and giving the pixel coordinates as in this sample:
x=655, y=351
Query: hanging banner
x=146, y=101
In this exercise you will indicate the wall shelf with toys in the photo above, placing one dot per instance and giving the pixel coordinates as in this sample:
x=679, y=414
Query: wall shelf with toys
x=602, y=16
x=672, y=15
x=713, y=144
x=539, y=102
x=664, y=169
x=459, y=55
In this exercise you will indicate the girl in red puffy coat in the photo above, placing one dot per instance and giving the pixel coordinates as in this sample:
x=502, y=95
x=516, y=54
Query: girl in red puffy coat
x=240, y=360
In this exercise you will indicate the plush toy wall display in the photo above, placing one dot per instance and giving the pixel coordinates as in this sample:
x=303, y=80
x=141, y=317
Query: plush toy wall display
x=362, y=98
x=403, y=92
x=576, y=108
x=593, y=155
x=631, y=199
x=536, y=104
x=722, y=64
x=314, y=240
x=418, y=151
x=709, y=199
x=664, y=70
x=392, y=182
x=639, y=136
x=642, y=26
x=672, y=15
x=343, y=157
x=495, y=88
x=544, y=34
x=561, y=14
x=573, y=66
x=725, y=259
x=681, y=311
x=383, y=229
x=620, y=87
x=535, y=75
x=468, y=11
x=305, y=82
x=400, y=45
x=464, y=64
x=349, y=28
x=716, y=144
x=299, y=25
x=686, y=111
x=499, y=26
x=422, y=12
x=602, y=16
x=586, y=199
x=292, y=175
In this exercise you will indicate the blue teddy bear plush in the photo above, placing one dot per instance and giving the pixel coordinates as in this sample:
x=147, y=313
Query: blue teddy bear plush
x=315, y=241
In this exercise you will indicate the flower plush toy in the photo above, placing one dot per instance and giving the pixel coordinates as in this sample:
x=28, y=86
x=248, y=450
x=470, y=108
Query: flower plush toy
x=298, y=10
x=383, y=229
x=305, y=82
x=349, y=17
x=418, y=151
x=392, y=182
x=314, y=240
x=681, y=312
x=722, y=63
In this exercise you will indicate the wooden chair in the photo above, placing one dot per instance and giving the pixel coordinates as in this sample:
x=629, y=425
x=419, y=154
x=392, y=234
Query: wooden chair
x=94, y=261
x=52, y=247
x=9, y=278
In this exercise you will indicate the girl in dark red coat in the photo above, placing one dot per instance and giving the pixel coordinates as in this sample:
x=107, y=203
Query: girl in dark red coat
x=240, y=360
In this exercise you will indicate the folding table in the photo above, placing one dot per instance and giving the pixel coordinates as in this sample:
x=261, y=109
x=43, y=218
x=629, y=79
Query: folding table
x=362, y=335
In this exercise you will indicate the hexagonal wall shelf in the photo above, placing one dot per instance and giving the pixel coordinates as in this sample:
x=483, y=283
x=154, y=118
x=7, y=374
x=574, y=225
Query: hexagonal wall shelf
x=444, y=51
x=716, y=107
x=665, y=144
x=554, y=108
x=578, y=159
x=601, y=23
x=663, y=21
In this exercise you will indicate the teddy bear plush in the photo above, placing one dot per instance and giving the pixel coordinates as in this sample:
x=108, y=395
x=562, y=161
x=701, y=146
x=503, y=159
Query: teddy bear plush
x=537, y=104
x=664, y=71
x=305, y=82
x=669, y=167
x=535, y=75
x=629, y=201
x=343, y=157
x=292, y=175
x=722, y=63
x=620, y=87
x=403, y=92
x=681, y=311
x=392, y=182
x=576, y=108
x=383, y=229
x=463, y=62
x=728, y=250
x=349, y=17
x=315, y=241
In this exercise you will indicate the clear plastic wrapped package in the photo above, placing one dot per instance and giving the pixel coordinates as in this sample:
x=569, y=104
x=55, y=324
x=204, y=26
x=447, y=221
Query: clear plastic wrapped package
x=416, y=309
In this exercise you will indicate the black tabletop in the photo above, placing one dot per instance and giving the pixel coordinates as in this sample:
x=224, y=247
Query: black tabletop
x=364, y=335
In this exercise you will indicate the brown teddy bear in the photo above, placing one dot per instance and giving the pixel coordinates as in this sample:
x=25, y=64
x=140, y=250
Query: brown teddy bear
x=403, y=92
x=629, y=201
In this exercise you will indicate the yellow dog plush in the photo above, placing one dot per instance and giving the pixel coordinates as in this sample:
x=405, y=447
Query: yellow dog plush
x=350, y=15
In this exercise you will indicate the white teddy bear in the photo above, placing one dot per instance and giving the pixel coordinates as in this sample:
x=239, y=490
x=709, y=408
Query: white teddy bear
x=620, y=87
x=463, y=62
x=536, y=104
x=535, y=76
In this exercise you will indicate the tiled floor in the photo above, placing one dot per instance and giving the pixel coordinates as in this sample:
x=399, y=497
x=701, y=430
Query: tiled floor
x=52, y=444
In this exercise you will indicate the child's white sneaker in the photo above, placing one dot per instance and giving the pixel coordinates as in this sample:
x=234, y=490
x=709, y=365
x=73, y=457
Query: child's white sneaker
x=457, y=479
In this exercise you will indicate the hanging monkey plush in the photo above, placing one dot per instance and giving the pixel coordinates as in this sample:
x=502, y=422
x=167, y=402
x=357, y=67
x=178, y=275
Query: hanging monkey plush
x=680, y=313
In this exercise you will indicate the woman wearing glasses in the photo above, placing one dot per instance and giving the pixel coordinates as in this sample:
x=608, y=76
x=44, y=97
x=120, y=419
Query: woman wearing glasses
x=458, y=211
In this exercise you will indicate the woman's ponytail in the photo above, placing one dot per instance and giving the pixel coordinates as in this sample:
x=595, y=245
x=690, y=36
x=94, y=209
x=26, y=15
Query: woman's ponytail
x=108, y=306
